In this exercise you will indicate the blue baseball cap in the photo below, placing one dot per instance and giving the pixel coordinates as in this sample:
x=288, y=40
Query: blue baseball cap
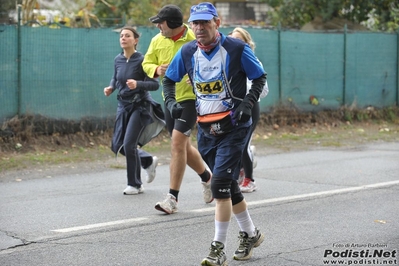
x=202, y=11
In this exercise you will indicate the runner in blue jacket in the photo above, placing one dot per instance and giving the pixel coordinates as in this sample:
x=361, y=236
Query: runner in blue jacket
x=218, y=68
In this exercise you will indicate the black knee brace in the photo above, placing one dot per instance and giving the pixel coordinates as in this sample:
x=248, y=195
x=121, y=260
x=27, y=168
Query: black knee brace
x=236, y=194
x=221, y=187
x=226, y=188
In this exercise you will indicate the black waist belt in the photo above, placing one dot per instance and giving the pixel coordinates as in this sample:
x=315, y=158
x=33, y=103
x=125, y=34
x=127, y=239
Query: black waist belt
x=130, y=99
x=135, y=99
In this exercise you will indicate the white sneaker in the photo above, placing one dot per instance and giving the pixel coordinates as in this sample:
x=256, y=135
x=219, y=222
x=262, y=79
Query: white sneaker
x=252, y=148
x=248, y=186
x=206, y=190
x=151, y=170
x=129, y=190
x=168, y=205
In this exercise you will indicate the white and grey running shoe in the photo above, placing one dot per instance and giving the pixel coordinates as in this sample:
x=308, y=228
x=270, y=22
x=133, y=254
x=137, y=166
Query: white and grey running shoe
x=168, y=205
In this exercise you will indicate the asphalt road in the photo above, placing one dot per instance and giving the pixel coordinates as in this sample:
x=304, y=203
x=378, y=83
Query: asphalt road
x=316, y=207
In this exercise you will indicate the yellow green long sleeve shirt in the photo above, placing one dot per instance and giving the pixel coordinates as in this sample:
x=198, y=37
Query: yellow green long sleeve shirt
x=161, y=51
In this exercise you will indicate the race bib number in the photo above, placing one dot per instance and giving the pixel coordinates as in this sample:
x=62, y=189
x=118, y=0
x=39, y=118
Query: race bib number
x=212, y=87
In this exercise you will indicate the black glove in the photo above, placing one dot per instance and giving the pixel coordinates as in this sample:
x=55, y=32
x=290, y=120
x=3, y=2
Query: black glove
x=174, y=108
x=243, y=112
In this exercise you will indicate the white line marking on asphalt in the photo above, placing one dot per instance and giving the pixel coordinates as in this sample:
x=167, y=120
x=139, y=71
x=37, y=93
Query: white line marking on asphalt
x=91, y=226
x=259, y=202
x=313, y=195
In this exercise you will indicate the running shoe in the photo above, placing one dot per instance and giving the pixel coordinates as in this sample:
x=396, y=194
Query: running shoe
x=248, y=186
x=130, y=190
x=151, y=170
x=252, y=148
x=217, y=256
x=168, y=205
x=206, y=190
x=247, y=244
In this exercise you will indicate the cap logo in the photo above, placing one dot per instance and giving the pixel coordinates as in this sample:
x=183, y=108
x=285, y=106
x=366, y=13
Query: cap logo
x=202, y=11
x=201, y=8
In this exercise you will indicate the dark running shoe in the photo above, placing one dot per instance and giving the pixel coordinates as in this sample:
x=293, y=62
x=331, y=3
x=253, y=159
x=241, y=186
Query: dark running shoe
x=247, y=244
x=216, y=256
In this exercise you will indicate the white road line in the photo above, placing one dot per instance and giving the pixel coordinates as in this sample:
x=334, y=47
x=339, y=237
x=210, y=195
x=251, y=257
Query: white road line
x=91, y=226
x=259, y=202
x=326, y=193
x=312, y=195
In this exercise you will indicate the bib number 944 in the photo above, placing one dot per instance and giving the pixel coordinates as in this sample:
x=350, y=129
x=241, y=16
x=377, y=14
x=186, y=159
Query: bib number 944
x=209, y=87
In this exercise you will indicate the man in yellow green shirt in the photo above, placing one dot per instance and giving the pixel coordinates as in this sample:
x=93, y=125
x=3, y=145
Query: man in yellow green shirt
x=173, y=34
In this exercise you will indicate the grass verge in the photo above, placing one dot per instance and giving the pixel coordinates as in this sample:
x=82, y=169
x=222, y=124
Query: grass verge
x=283, y=131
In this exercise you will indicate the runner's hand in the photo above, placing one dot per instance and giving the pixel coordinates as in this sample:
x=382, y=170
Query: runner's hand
x=174, y=108
x=243, y=112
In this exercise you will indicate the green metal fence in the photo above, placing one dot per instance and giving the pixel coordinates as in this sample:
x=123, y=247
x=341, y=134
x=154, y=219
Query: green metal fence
x=60, y=73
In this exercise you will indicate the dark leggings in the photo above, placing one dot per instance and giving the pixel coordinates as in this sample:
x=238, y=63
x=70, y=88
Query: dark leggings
x=128, y=128
x=246, y=161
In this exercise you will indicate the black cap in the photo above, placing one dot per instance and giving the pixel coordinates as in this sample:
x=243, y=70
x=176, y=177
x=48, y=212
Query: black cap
x=170, y=13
